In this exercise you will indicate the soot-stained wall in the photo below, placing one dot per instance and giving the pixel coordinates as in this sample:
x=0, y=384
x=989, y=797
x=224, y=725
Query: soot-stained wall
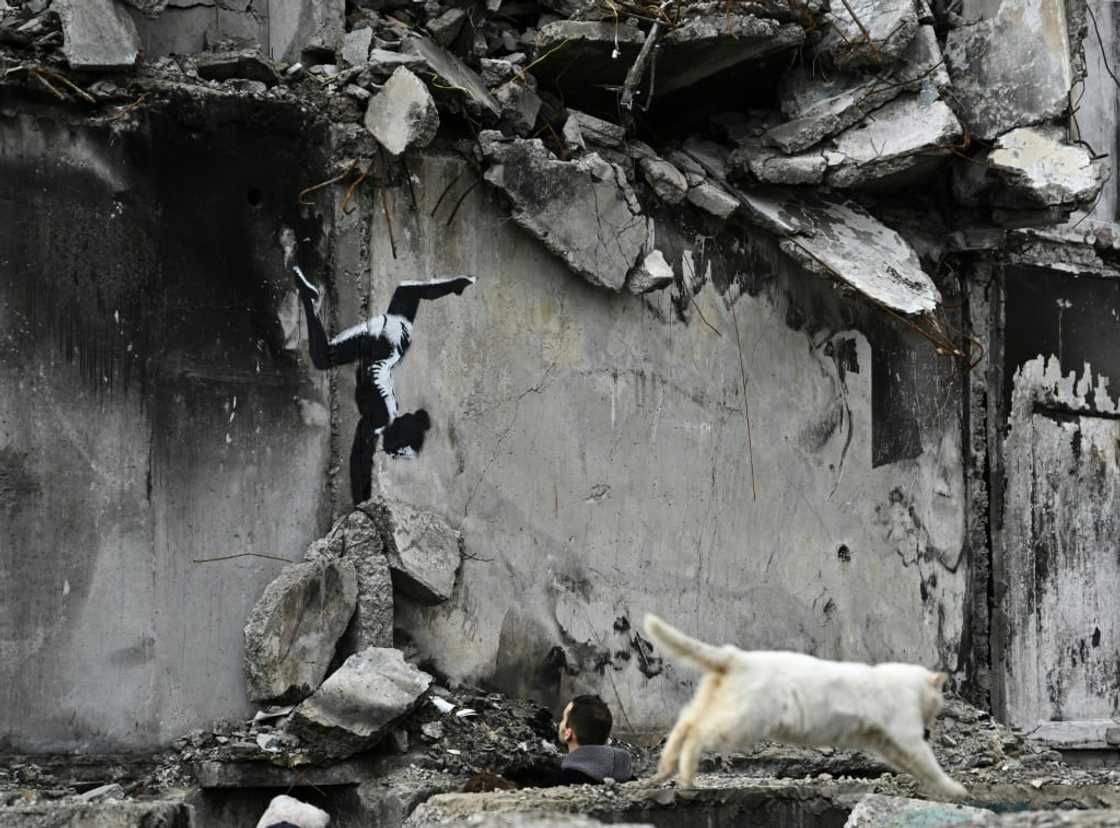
x=150, y=415
x=594, y=449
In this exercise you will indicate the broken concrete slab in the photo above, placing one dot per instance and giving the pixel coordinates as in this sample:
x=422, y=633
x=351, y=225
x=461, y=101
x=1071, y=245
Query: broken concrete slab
x=845, y=242
x=1013, y=70
x=819, y=105
x=260, y=774
x=298, y=29
x=248, y=64
x=357, y=705
x=903, y=137
x=712, y=198
x=520, y=105
x=291, y=633
x=1045, y=819
x=774, y=167
x=554, y=200
x=666, y=180
x=97, y=34
x=445, y=27
x=355, y=46
x=592, y=130
x=869, y=33
x=359, y=539
x=423, y=551
x=460, y=77
x=1036, y=165
x=403, y=114
x=127, y=814
x=879, y=811
x=654, y=273
x=384, y=63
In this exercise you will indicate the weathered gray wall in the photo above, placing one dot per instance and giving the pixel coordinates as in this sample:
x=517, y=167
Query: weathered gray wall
x=593, y=449
x=149, y=417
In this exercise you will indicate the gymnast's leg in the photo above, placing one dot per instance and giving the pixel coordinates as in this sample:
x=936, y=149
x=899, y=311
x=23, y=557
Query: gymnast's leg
x=407, y=296
x=361, y=461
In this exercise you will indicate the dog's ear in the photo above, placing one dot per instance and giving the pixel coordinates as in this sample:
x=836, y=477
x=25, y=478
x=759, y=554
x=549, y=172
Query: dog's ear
x=937, y=680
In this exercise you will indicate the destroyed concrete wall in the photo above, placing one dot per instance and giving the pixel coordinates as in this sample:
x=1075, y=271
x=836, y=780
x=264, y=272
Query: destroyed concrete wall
x=593, y=450
x=152, y=415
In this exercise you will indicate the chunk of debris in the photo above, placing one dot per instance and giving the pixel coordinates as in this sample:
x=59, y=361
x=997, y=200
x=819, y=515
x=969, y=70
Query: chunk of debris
x=554, y=200
x=1036, y=164
x=384, y=63
x=103, y=793
x=457, y=75
x=845, y=242
x=819, y=105
x=355, y=46
x=303, y=29
x=149, y=8
x=581, y=129
x=899, y=138
x=774, y=167
x=520, y=105
x=446, y=27
x=402, y=114
x=288, y=811
x=97, y=34
x=496, y=71
x=879, y=811
x=667, y=181
x=127, y=814
x=868, y=32
x=248, y=63
x=1013, y=70
x=713, y=199
x=359, y=540
x=291, y=633
x=358, y=704
x=423, y=551
x=654, y=273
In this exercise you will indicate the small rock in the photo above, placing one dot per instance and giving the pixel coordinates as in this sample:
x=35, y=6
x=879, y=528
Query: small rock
x=103, y=793
x=402, y=114
x=358, y=93
x=446, y=27
x=595, y=130
x=666, y=180
x=654, y=273
x=355, y=46
x=495, y=72
x=432, y=731
x=713, y=199
x=250, y=65
x=520, y=105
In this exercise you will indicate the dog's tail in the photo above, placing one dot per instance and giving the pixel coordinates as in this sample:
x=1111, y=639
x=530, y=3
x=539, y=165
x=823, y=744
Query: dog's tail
x=697, y=653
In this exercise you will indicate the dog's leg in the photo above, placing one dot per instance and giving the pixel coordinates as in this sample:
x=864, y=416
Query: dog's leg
x=923, y=764
x=668, y=762
x=690, y=758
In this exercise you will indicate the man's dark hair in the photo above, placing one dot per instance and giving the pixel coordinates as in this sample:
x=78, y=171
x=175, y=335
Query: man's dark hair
x=591, y=720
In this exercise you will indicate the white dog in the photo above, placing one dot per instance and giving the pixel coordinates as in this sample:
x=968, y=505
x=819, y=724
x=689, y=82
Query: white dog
x=789, y=697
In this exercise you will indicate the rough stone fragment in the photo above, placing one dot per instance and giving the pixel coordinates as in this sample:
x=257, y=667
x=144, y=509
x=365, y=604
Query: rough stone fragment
x=97, y=34
x=520, y=105
x=359, y=540
x=666, y=180
x=287, y=810
x=822, y=104
x=773, y=167
x=693, y=172
x=1013, y=70
x=595, y=130
x=355, y=46
x=296, y=27
x=249, y=64
x=127, y=814
x=446, y=27
x=149, y=8
x=879, y=811
x=495, y=72
x=711, y=157
x=1035, y=164
x=424, y=552
x=455, y=73
x=291, y=633
x=891, y=25
x=583, y=211
x=384, y=62
x=901, y=137
x=358, y=704
x=402, y=114
x=845, y=242
x=713, y=199
x=1045, y=819
x=654, y=273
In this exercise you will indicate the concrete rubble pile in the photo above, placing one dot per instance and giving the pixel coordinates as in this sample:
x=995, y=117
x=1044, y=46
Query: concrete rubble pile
x=864, y=105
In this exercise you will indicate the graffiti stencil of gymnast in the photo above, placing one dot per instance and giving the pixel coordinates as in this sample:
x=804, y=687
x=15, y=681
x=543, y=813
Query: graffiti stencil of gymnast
x=377, y=345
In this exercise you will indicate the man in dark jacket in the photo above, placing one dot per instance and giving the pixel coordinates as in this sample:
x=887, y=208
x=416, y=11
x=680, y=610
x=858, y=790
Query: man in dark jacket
x=584, y=728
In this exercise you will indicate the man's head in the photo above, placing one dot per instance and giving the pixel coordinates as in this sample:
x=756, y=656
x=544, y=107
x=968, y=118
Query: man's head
x=586, y=721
